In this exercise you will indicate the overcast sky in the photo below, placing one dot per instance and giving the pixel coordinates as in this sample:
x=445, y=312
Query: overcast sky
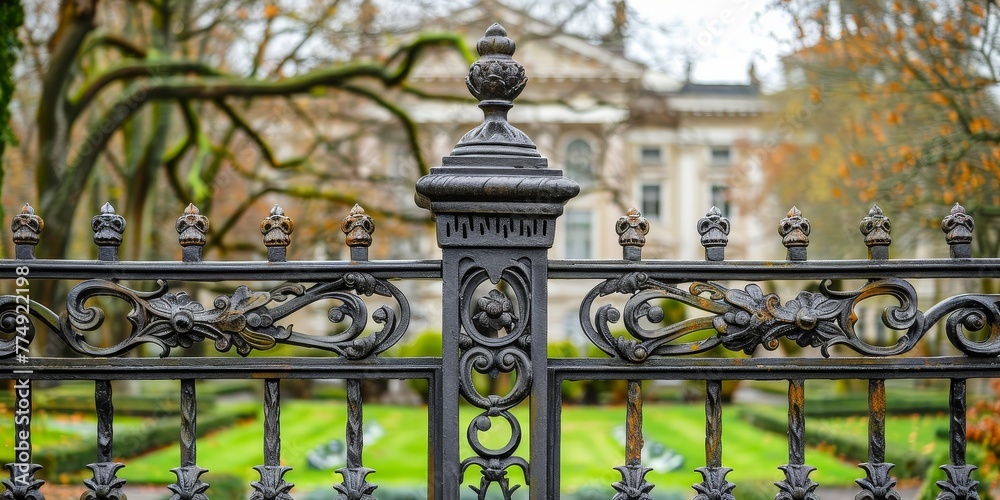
x=721, y=37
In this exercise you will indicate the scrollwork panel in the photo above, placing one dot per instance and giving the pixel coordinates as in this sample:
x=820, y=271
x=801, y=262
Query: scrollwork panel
x=743, y=319
x=246, y=320
x=495, y=337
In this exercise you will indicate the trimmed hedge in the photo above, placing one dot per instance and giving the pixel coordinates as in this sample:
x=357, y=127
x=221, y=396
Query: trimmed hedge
x=822, y=403
x=858, y=405
x=73, y=457
x=125, y=405
x=79, y=398
x=909, y=462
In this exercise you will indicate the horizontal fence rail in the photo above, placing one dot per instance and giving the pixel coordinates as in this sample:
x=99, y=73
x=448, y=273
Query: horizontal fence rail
x=496, y=203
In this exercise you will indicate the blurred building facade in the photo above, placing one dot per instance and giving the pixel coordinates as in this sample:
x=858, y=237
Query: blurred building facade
x=632, y=138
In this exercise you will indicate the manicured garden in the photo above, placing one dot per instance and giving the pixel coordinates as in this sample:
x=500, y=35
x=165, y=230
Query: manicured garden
x=589, y=451
x=754, y=439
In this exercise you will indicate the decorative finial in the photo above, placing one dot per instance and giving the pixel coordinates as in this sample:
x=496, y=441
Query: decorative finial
x=876, y=228
x=496, y=79
x=276, y=230
x=632, y=229
x=192, y=228
x=26, y=229
x=108, y=230
x=358, y=226
x=714, y=231
x=794, y=230
x=496, y=76
x=958, y=227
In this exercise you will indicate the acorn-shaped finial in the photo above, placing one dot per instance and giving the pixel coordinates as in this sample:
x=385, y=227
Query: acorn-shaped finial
x=109, y=229
x=277, y=230
x=958, y=227
x=26, y=230
x=358, y=226
x=192, y=233
x=632, y=229
x=877, y=229
x=714, y=231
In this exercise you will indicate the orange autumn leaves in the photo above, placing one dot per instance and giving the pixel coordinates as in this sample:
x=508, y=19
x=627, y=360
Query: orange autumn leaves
x=907, y=114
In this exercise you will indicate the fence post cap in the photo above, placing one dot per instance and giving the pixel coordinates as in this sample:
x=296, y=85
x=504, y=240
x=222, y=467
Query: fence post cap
x=495, y=177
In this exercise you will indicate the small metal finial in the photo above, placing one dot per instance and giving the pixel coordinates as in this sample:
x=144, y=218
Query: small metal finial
x=108, y=230
x=632, y=229
x=358, y=226
x=794, y=230
x=876, y=228
x=277, y=229
x=26, y=230
x=958, y=227
x=192, y=230
x=714, y=231
x=496, y=79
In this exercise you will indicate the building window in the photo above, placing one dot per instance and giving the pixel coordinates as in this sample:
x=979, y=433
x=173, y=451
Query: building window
x=574, y=332
x=721, y=155
x=578, y=230
x=579, y=161
x=720, y=199
x=650, y=155
x=651, y=200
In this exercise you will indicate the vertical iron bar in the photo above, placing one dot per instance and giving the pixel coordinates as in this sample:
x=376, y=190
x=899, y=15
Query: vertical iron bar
x=796, y=484
x=22, y=482
x=189, y=424
x=879, y=482
x=960, y=483
x=435, y=423
x=451, y=460
x=105, y=419
x=272, y=422
x=714, y=484
x=555, y=432
x=713, y=423
x=957, y=404
x=796, y=422
x=876, y=421
x=539, y=398
x=355, y=437
x=272, y=485
x=633, y=424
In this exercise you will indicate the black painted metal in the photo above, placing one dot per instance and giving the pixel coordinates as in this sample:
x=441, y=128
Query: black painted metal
x=496, y=202
x=633, y=485
x=105, y=485
x=105, y=419
x=960, y=483
x=272, y=485
x=355, y=485
x=22, y=485
x=879, y=483
x=797, y=485
x=189, y=484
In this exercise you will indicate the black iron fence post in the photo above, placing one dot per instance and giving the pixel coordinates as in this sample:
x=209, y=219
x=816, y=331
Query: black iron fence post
x=495, y=203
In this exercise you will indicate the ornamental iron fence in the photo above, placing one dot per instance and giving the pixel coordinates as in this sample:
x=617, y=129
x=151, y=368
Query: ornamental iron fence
x=495, y=203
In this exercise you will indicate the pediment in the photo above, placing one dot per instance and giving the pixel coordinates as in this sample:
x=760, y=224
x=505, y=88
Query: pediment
x=546, y=52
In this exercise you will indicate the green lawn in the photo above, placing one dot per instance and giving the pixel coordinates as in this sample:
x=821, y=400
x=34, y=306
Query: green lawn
x=54, y=429
x=589, y=449
x=914, y=431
